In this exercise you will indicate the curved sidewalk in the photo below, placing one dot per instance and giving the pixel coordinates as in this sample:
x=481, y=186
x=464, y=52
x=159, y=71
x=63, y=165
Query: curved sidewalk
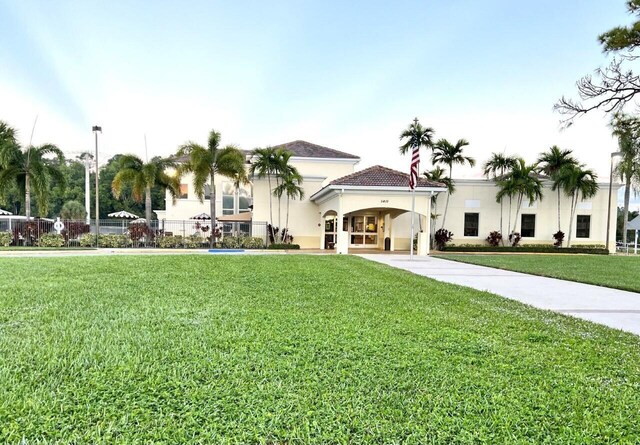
x=611, y=307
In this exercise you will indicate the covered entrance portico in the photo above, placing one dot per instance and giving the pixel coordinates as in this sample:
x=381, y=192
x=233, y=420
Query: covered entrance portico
x=362, y=210
x=367, y=229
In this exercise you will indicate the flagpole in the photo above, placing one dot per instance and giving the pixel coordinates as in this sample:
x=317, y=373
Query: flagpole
x=413, y=217
x=413, y=183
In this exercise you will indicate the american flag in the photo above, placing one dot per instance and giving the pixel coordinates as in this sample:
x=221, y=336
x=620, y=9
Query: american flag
x=413, y=174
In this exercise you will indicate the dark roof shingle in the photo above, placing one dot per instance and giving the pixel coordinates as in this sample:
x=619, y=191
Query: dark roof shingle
x=306, y=149
x=379, y=176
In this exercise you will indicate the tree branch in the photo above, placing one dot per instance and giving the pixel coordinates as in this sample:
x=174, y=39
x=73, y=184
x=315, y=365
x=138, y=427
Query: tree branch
x=612, y=89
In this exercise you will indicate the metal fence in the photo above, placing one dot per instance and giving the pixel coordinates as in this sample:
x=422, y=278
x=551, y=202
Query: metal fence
x=127, y=233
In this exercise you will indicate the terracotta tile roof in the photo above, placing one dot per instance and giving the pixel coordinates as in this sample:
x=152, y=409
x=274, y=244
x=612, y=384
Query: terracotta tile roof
x=379, y=176
x=306, y=149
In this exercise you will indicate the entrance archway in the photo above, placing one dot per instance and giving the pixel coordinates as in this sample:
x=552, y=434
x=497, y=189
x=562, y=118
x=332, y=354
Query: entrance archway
x=373, y=228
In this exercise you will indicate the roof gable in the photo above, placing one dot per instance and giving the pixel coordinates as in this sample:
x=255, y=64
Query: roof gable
x=379, y=176
x=304, y=149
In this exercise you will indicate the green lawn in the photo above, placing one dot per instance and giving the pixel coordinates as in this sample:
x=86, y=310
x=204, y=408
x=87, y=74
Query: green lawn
x=30, y=248
x=620, y=272
x=295, y=349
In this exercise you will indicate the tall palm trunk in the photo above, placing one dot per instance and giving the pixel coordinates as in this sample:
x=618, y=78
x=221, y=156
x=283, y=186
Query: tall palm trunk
x=501, y=211
x=27, y=196
x=212, y=207
x=519, y=206
x=625, y=215
x=147, y=205
x=574, y=204
x=446, y=205
x=273, y=235
x=288, y=199
x=510, y=210
x=279, y=207
x=559, y=210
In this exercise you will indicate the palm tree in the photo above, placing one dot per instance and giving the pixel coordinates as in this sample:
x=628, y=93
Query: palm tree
x=142, y=177
x=520, y=182
x=551, y=163
x=495, y=167
x=437, y=174
x=577, y=183
x=29, y=169
x=290, y=186
x=447, y=153
x=207, y=162
x=283, y=171
x=627, y=129
x=264, y=163
x=416, y=136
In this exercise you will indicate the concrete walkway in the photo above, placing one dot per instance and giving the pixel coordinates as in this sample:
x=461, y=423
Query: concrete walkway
x=611, y=307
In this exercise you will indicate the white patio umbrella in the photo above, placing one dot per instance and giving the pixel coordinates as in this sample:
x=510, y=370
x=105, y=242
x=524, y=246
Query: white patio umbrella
x=139, y=221
x=122, y=214
x=6, y=213
x=201, y=216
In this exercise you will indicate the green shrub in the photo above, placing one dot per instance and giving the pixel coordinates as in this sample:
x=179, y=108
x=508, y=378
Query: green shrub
x=88, y=240
x=72, y=211
x=168, y=242
x=5, y=238
x=114, y=241
x=284, y=246
x=51, y=240
x=528, y=249
x=252, y=242
x=192, y=242
x=231, y=242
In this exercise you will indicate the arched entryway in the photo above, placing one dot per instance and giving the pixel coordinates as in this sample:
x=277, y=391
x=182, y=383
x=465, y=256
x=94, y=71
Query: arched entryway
x=373, y=228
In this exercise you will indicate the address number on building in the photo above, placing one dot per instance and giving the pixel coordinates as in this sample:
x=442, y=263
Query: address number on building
x=384, y=201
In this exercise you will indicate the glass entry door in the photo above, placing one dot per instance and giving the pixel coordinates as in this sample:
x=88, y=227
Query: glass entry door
x=364, y=231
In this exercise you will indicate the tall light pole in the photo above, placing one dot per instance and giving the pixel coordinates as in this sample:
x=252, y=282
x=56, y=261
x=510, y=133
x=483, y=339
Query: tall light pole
x=88, y=159
x=613, y=155
x=95, y=130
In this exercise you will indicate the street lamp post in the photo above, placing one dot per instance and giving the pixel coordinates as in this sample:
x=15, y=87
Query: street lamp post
x=613, y=155
x=95, y=130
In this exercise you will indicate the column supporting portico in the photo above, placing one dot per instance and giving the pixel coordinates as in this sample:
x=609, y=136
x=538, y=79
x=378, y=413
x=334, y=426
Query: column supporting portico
x=342, y=236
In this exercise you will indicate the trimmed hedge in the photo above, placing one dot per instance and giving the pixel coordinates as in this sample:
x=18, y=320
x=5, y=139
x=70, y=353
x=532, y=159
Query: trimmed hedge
x=51, y=240
x=242, y=242
x=178, y=241
x=284, y=246
x=111, y=241
x=528, y=249
x=5, y=238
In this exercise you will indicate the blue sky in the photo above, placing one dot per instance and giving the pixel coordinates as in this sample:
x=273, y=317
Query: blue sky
x=349, y=75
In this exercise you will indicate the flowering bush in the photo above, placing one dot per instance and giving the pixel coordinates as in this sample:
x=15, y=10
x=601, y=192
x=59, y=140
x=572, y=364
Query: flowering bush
x=494, y=238
x=441, y=238
x=514, y=239
x=559, y=238
x=5, y=238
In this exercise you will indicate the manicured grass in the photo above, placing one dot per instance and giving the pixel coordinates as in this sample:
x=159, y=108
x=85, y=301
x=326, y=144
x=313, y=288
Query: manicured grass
x=619, y=272
x=30, y=248
x=295, y=349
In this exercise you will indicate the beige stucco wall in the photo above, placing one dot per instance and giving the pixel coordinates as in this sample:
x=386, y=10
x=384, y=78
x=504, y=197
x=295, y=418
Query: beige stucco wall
x=479, y=196
x=474, y=196
x=304, y=218
x=186, y=208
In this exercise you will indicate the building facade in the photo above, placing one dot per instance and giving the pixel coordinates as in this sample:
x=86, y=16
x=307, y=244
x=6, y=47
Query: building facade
x=349, y=210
